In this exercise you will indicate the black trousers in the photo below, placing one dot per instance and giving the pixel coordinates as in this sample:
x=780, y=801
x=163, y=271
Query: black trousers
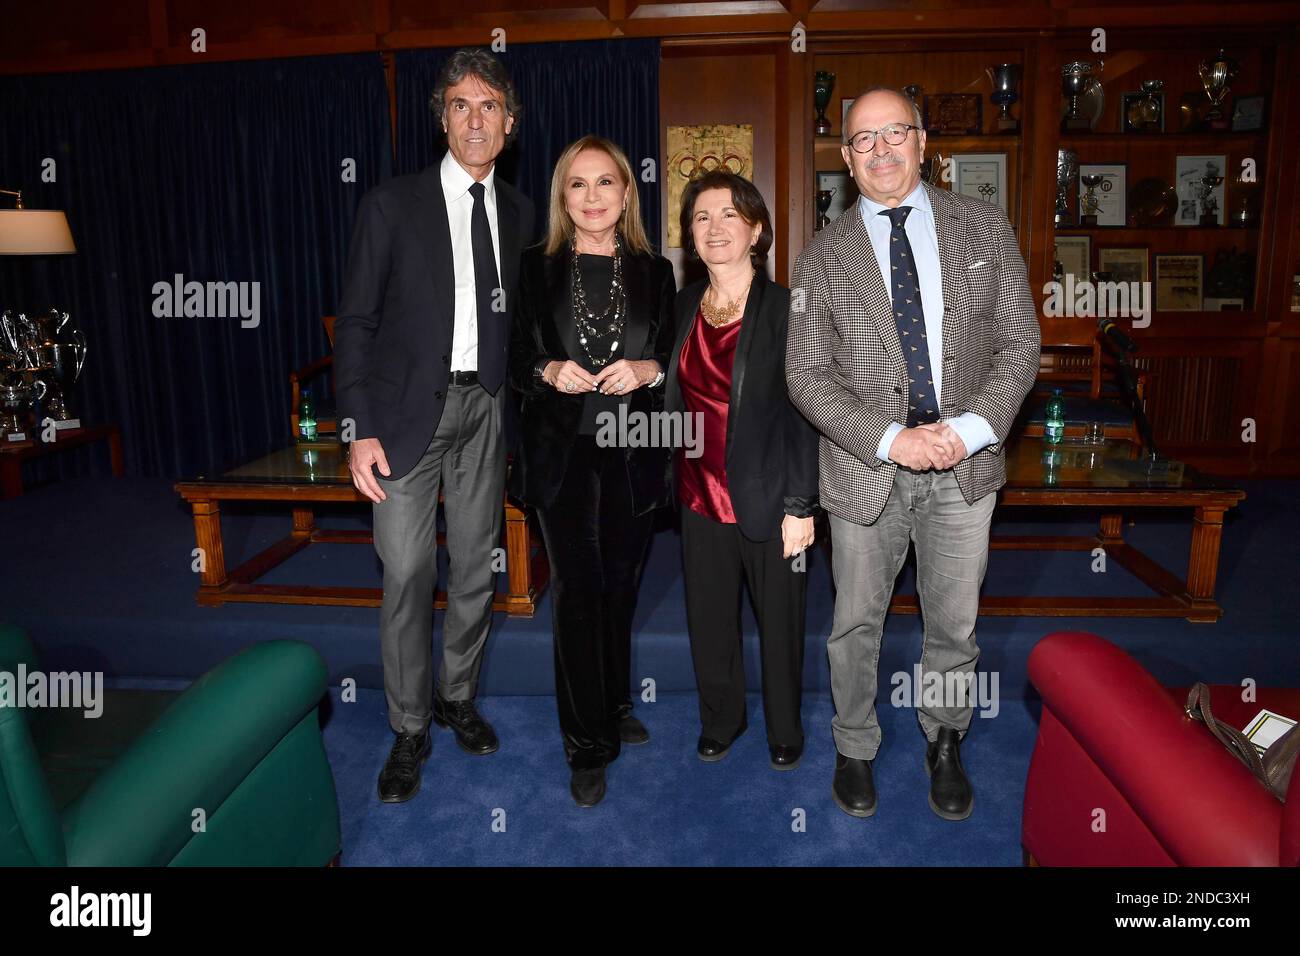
x=718, y=562
x=597, y=550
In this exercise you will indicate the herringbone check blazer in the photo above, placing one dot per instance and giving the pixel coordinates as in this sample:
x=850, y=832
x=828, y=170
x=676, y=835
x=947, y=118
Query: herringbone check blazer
x=845, y=368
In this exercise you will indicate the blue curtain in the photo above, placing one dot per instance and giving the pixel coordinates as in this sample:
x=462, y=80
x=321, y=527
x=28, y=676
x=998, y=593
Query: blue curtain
x=606, y=87
x=229, y=172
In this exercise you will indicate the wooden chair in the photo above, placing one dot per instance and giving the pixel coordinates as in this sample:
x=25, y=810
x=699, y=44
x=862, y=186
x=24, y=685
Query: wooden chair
x=326, y=416
x=1088, y=380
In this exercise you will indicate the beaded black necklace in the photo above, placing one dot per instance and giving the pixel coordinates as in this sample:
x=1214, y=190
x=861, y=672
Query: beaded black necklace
x=592, y=327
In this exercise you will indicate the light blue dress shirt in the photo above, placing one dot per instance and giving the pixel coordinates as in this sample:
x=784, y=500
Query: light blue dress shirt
x=974, y=430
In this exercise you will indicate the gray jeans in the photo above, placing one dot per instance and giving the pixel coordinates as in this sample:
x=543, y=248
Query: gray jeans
x=952, y=546
x=466, y=460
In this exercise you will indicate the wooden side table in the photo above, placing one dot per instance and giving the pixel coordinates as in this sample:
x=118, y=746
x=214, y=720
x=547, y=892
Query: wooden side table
x=13, y=454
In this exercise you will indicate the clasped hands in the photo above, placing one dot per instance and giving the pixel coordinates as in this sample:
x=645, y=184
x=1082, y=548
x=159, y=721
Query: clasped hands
x=933, y=446
x=617, y=378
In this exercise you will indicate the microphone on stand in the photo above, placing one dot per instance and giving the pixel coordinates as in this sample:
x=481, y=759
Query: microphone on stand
x=1113, y=332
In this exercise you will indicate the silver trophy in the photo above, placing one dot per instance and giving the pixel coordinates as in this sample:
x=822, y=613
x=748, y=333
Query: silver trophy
x=51, y=349
x=1067, y=167
x=1089, y=202
x=17, y=396
x=60, y=355
x=1005, y=78
x=1076, y=79
x=1209, y=203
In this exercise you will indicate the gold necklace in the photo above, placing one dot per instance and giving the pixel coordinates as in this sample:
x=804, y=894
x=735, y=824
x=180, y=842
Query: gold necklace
x=718, y=316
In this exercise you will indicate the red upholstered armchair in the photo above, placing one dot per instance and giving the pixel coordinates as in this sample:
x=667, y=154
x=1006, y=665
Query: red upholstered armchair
x=1112, y=739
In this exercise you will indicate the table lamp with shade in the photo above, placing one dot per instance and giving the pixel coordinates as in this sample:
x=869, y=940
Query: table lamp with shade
x=33, y=232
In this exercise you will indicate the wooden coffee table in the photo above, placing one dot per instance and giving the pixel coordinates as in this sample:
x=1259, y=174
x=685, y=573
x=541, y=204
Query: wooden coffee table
x=301, y=476
x=1110, y=477
x=13, y=454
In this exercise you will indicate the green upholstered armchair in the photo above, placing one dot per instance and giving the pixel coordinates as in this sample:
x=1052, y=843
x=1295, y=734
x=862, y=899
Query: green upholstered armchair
x=242, y=744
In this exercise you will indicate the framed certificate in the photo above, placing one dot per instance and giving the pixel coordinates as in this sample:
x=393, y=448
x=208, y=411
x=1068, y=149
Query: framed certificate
x=1179, y=283
x=1131, y=264
x=1109, y=193
x=1074, y=254
x=982, y=175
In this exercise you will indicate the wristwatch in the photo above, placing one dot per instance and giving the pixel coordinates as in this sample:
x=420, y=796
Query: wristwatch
x=539, y=370
x=658, y=379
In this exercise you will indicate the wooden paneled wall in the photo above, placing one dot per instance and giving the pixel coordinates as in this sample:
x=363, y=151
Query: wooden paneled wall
x=750, y=61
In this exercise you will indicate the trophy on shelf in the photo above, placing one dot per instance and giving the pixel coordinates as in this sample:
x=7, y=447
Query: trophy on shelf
x=824, y=197
x=1076, y=79
x=1209, y=204
x=1216, y=73
x=1067, y=167
x=1089, y=201
x=17, y=395
x=1144, y=112
x=52, y=351
x=823, y=86
x=1005, y=78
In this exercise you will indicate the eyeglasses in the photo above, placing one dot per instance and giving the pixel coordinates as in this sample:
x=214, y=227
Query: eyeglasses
x=893, y=134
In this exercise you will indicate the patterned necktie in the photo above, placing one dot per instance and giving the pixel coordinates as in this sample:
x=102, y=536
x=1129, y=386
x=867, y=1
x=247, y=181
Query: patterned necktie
x=491, y=324
x=908, y=313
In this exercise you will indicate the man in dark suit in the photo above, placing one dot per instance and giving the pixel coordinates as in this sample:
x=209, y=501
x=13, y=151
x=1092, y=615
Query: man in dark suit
x=913, y=340
x=420, y=349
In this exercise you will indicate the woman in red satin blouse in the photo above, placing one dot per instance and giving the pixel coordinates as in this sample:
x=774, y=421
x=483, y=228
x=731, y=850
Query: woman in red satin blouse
x=746, y=480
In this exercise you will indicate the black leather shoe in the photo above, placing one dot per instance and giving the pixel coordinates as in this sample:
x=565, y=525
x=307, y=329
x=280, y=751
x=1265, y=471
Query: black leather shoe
x=399, y=781
x=588, y=786
x=950, y=792
x=632, y=731
x=474, y=734
x=711, y=750
x=786, y=756
x=854, y=790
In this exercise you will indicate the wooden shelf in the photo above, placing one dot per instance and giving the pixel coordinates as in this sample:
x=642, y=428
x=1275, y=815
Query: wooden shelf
x=1182, y=140
x=1189, y=230
x=984, y=142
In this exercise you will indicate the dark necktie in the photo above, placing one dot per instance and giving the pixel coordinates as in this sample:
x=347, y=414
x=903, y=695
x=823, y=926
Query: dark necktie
x=491, y=324
x=905, y=287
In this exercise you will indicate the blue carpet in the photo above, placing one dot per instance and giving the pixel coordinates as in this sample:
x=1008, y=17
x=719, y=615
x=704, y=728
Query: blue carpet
x=99, y=572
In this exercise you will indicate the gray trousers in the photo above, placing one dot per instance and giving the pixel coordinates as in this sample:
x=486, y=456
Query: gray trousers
x=952, y=546
x=466, y=459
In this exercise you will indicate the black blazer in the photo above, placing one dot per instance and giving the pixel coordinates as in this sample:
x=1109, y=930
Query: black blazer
x=549, y=420
x=393, y=334
x=771, y=450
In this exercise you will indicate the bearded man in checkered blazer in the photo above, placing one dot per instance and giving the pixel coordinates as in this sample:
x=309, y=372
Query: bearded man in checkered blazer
x=913, y=340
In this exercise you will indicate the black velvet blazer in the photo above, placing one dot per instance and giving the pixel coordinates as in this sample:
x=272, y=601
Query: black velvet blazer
x=549, y=419
x=771, y=451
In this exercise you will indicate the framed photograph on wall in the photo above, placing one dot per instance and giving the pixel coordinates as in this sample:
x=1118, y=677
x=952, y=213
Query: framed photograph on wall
x=1180, y=281
x=1110, y=193
x=1188, y=173
x=1074, y=253
x=1248, y=114
x=982, y=175
x=1125, y=264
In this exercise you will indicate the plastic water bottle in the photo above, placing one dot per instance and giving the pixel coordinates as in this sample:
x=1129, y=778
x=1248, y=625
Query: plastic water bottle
x=1054, y=424
x=307, y=417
